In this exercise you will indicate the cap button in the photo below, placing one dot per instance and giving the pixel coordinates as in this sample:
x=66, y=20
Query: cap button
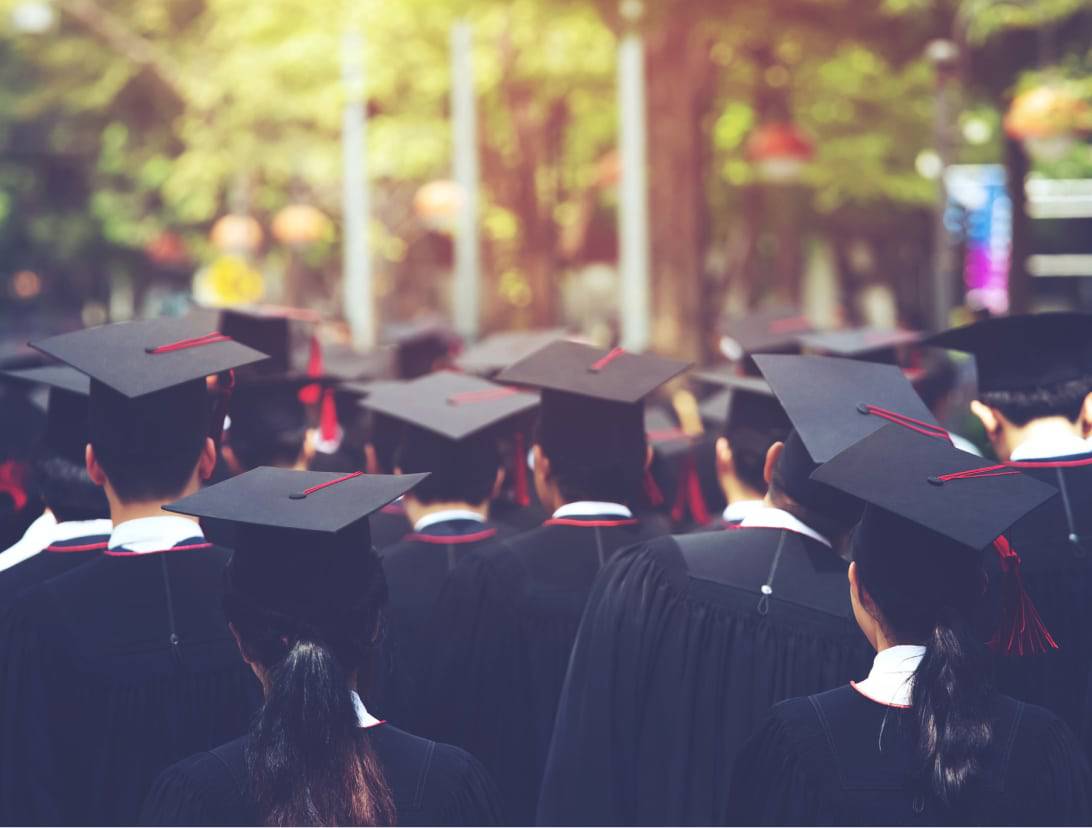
x=297, y=496
x=864, y=408
x=936, y=481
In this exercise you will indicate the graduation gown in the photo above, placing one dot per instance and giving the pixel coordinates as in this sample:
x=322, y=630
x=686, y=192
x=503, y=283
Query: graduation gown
x=1058, y=576
x=389, y=525
x=838, y=758
x=678, y=657
x=416, y=569
x=504, y=628
x=111, y=672
x=56, y=559
x=432, y=784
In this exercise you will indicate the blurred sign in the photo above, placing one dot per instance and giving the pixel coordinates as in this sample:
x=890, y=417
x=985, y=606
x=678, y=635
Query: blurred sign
x=1061, y=227
x=980, y=216
x=229, y=280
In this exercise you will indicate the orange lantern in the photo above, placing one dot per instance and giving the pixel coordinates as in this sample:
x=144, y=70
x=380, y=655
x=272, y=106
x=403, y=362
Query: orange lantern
x=167, y=249
x=1047, y=119
x=237, y=233
x=779, y=150
x=438, y=204
x=301, y=224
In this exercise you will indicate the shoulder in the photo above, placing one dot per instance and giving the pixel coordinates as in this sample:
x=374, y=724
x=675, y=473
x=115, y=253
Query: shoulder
x=207, y=788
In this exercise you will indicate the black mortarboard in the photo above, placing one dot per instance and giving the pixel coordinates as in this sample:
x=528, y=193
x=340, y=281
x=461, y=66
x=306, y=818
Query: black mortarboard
x=139, y=358
x=766, y=331
x=62, y=377
x=322, y=502
x=501, y=350
x=903, y=475
x=66, y=410
x=1016, y=353
x=833, y=403
x=745, y=402
x=421, y=346
x=615, y=376
x=454, y=406
x=873, y=344
x=282, y=333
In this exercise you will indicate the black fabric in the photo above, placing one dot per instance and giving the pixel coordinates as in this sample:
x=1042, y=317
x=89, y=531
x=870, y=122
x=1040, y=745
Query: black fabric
x=1058, y=576
x=417, y=567
x=96, y=699
x=432, y=784
x=48, y=564
x=678, y=657
x=841, y=759
x=505, y=624
x=389, y=525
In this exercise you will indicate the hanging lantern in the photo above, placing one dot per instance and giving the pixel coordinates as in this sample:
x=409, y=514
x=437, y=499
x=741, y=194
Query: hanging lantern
x=779, y=151
x=1047, y=119
x=167, y=249
x=438, y=204
x=301, y=224
x=236, y=233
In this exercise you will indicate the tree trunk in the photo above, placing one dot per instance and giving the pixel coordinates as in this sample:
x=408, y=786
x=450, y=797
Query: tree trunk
x=1016, y=169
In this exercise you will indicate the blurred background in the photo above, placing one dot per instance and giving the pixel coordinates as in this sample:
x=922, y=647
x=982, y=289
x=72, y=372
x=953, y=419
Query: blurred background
x=631, y=171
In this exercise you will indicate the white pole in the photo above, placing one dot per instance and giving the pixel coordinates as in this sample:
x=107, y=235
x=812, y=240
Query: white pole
x=466, y=284
x=633, y=235
x=358, y=296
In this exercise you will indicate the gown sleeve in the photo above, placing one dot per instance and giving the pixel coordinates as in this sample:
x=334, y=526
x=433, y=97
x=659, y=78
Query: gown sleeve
x=200, y=790
x=466, y=794
x=1058, y=785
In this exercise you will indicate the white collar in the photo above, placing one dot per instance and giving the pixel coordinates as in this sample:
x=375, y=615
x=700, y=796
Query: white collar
x=363, y=717
x=1048, y=446
x=36, y=538
x=891, y=680
x=446, y=515
x=767, y=517
x=154, y=534
x=735, y=512
x=592, y=508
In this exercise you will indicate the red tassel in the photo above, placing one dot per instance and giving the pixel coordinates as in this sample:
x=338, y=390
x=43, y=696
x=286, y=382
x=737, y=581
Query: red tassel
x=652, y=491
x=311, y=394
x=12, y=477
x=225, y=387
x=328, y=424
x=689, y=496
x=1021, y=630
x=523, y=496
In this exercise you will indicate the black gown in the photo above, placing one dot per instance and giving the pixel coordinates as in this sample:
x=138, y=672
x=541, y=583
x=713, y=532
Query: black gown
x=678, y=657
x=432, y=784
x=416, y=569
x=389, y=525
x=56, y=559
x=111, y=672
x=818, y=761
x=1058, y=576
x=504, y=628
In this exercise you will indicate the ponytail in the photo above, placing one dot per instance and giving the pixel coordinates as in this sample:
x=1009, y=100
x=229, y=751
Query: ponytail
x=950, y=702
x=309, y=763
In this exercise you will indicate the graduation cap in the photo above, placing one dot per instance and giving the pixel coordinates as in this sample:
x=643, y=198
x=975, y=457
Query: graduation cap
x=872, y=344
x=1019, y=353
x=136, y=359
x=421, y=346
x=766, y=331
x=453, y=406
x=743, y=401
x=275, y=331
x=924, y=494
x=501, y=350
x=66, y=408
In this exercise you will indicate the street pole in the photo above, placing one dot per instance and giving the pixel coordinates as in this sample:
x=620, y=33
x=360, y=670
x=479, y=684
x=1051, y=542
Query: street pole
x=466, y=284
x=633, y=226
x=358, y=296
x=944, y=55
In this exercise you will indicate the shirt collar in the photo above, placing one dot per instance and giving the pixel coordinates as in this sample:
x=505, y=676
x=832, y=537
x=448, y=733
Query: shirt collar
x=445, y=516
x=72, y=529
x=34, y=540
x=154, y=534
x=891, y=680
x=1045, y=448
x=739, y=510
x=592, y=508
x=364, y=719
x=767, y=517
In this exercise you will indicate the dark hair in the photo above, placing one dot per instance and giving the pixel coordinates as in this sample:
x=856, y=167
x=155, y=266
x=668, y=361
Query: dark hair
x=272, y=434
x=384, y=435
x=66, y=487
x=749, y=449
x=149, y=446
x=927, y=590
x=1062, y=399
x=825, y=509
x=311, y=625
x=463, y=471
x=597, y=450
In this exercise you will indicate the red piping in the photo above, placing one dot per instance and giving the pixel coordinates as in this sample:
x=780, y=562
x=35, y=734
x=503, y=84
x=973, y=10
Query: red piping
x=442, y=540
x=327, y=484
x=853, y=684
x=85, y=547
x=125, y=553
x=195, y=342
x=590, y=523
x=606, y=360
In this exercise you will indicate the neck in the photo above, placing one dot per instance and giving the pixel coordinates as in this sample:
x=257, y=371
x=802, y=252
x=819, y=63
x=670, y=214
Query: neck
x=415, y=509
x=1044, y=429
x=126, y=510
x=736, y=491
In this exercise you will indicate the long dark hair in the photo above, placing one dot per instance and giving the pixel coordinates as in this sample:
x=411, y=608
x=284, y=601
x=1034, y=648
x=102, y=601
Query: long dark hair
x=308, y=761
x=930, y=595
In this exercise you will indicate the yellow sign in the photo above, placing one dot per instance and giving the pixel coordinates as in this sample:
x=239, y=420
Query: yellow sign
x=229, y=280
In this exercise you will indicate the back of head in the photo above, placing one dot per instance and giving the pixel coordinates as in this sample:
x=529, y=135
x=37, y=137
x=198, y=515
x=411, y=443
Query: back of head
x=268, y=425
x=597, y=449
x=58, y=467
x=754, y=424
x=823, y=508
x=148, y=446
x=1058, y=399
x=307, y=608
x=462, y=471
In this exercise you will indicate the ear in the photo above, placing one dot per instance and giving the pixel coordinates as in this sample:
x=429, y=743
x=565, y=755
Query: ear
x=371, y=459
x=649, y=457
x=498, y=481
x=310, y=446
x=987, y=416
x=773, y=455
x=94, y=470
x=207, y=464
x=854, y=586
x=1085, y=419
x=227, y=454
x=725, y=462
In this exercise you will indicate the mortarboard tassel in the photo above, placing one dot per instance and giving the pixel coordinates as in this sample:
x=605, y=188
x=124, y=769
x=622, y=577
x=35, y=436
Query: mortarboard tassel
x=328, y=423
x=225, y=387
x=522, y=494
x=1021, y=630
x=12, y=482
x=652, y=491
x=689, y=496
x=311, y=394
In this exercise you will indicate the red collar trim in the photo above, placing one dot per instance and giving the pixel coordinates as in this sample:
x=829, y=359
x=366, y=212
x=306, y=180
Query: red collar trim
x=853, y=684
x=380, y=723
x=188, y=547
x=395, y=508
x=591, y=523
x=443, y=540
x=83, y=547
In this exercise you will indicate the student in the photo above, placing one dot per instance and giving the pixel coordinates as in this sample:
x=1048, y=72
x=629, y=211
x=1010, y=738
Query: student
x=688, y=640
x=1035, y=404
x=122, y=666
x=450, y=428
x=924, y=739
x=304, y=600
x=79, y=526
x=269, y=426
x=508, y=615
x=390, y=524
